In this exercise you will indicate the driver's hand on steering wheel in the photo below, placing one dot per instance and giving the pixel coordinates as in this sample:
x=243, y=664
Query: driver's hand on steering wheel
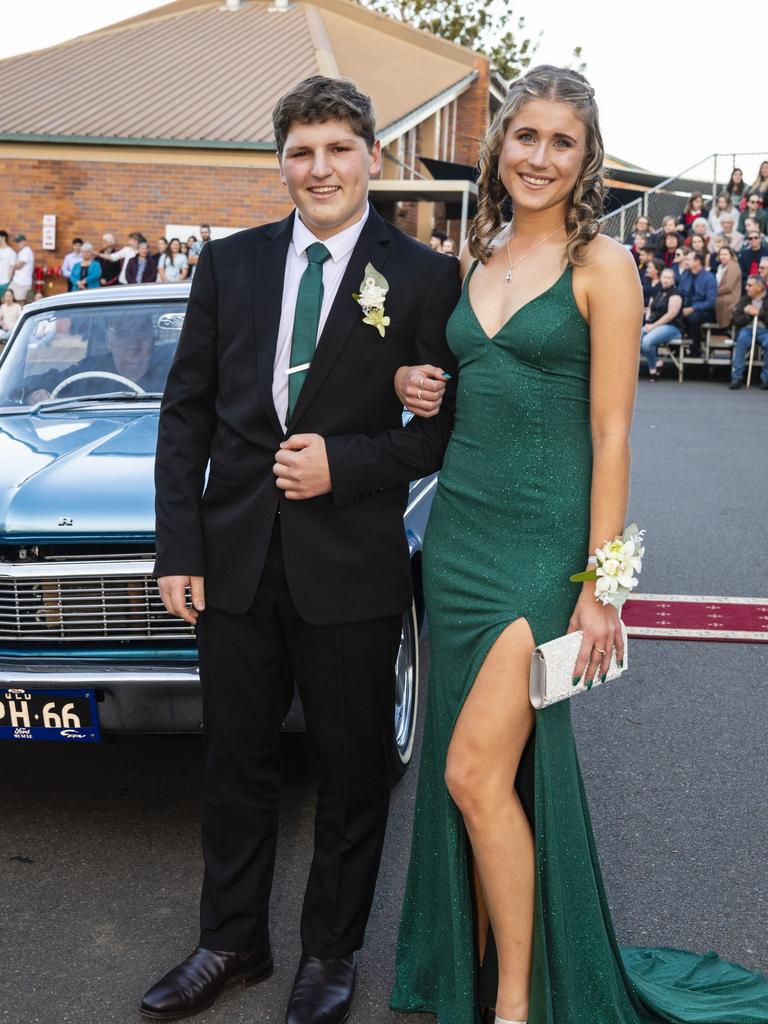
x=41, y=395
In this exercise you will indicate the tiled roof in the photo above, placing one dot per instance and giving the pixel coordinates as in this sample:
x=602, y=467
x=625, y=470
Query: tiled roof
x=192, y=73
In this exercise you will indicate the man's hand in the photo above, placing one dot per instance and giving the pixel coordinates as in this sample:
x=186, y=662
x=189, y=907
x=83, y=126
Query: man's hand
x=688, y=310
x=751, y=310
x=173, y=592
x=301, y=467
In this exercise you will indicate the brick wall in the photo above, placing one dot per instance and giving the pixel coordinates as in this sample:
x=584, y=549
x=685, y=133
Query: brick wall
x=90, y=198
x=472, y=115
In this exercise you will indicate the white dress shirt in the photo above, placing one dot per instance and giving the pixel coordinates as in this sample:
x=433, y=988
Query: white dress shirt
x=340, y=247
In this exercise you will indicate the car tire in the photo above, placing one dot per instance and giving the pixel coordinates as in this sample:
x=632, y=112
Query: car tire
x=407, y=695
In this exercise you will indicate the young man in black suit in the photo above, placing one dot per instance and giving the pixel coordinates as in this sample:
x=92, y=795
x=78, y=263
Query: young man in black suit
x=295, y=553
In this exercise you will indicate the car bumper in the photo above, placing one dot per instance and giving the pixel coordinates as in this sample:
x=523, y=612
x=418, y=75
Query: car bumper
x=144, y=699
x=141, y=699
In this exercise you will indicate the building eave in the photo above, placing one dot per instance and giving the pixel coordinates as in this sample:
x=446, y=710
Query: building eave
x=393, y=131
x=102, y=140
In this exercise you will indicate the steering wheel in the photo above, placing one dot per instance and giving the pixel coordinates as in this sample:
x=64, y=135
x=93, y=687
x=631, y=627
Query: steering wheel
x=102, y=375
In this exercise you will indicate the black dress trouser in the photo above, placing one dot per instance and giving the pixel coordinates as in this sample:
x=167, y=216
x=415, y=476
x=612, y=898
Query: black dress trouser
x=346, y=678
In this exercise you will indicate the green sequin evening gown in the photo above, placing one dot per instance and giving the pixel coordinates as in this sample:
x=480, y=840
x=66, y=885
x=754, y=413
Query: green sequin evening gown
x=509, y=523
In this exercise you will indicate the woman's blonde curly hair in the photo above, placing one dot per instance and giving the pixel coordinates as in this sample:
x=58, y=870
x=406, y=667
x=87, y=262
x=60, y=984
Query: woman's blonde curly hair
x=545, y=82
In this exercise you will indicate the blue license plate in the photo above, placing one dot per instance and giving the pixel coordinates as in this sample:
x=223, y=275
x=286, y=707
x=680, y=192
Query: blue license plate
x=69, y=716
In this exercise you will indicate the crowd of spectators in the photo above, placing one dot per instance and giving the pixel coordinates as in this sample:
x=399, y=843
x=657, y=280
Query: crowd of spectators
x=134, y=262
x=441, y=242
x=709, y=265
x=84, y=267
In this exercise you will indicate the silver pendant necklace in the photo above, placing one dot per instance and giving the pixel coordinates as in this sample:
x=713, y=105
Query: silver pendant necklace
x=508, y=275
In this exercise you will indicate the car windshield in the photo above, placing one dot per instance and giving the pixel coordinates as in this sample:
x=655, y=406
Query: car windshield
x=91, y=352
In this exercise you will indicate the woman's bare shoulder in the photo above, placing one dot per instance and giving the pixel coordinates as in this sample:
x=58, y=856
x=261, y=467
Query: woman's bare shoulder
x=604, y=253
x=465, y=259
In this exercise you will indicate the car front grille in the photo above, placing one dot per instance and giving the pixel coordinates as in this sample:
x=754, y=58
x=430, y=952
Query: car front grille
x=85, y=602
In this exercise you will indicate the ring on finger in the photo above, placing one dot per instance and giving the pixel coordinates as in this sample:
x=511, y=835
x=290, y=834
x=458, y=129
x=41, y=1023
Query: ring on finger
x=418, y=393
x=421, y=381
x=598, y=649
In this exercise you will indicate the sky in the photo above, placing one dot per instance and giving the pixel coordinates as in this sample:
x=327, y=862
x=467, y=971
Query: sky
x=642, y=64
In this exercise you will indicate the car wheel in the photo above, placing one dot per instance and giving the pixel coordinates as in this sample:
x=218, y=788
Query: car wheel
x=407, y=694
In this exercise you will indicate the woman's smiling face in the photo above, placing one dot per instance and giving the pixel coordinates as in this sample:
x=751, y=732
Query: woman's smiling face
x=542, y=154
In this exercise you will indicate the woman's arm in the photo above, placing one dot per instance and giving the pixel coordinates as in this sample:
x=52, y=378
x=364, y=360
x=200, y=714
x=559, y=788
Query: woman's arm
x=421, y=388
x=615, y=304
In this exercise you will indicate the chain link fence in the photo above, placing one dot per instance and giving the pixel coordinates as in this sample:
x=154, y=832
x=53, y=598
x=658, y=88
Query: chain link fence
x=669, y=198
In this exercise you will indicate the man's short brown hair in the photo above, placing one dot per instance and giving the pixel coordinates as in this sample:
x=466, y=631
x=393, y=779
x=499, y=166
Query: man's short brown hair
x=319, y=99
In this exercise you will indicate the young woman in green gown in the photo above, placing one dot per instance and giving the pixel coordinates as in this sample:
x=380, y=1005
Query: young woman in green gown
x=504, y=903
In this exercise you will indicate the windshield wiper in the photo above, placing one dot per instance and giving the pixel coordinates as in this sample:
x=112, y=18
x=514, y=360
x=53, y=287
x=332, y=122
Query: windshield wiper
x=109, y=396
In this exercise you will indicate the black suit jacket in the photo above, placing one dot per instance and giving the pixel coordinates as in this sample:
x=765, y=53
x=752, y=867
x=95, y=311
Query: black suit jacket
x=345, y=553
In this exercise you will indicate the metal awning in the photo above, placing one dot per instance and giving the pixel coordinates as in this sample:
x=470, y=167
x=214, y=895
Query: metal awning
x=426, y=190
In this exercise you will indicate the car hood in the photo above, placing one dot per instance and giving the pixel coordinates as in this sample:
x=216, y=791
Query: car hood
x=64, y=475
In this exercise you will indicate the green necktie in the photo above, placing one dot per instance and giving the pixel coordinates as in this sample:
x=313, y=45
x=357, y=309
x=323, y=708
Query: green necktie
x=308, y=304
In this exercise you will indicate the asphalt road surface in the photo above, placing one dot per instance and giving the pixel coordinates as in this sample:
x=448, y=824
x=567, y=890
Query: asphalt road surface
x=99, y=844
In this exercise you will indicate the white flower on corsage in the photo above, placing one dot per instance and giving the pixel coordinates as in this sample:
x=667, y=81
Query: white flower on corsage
x=617, y=562
x=371, y=299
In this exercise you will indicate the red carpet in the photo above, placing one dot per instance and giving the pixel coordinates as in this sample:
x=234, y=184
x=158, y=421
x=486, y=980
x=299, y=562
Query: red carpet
x=691, y=617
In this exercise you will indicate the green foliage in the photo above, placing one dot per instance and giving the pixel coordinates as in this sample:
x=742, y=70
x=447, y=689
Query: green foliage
x=478, y=24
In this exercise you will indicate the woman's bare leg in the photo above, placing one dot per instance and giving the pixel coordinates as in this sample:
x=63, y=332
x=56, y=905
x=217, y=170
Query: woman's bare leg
x=483, y=757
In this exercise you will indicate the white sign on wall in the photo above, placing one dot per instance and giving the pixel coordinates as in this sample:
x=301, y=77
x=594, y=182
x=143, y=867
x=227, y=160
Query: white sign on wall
x=49, y=231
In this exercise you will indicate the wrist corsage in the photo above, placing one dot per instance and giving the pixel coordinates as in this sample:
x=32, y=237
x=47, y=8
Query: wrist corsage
x=616, y=563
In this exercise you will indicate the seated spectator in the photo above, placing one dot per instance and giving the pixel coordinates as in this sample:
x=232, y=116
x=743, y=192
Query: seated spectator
x=638, y=241
x=764, y=269
x=736, y=188
x=130, y=353
x=751, y=225
x=699, y=244
x=662, y=322
x=10, y=311
x=650, y=268
x=699, y=227
x=659, y=238
x=86, y=273
x=436, y=239
x=699, y=297
x=448, y=247
x=753, y=211
x=641, y=226
x=750, y=306
x=752, y=253
x=729, y=234
x=722, y=206
x=670, y=247
x=760, y=185
x=728, y=276
x=162, y=248
x=70, y=260
x=173, y=265
x=694, y=209
x=141, y=268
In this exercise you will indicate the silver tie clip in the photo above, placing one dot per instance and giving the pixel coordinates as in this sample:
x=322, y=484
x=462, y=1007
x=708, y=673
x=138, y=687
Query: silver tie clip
x=299, y=368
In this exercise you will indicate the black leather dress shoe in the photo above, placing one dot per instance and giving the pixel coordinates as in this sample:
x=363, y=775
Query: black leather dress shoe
x=195, y=984
x=322, y=992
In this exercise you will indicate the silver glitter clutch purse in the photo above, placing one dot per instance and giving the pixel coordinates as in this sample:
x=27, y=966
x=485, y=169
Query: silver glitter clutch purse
x=552, y=667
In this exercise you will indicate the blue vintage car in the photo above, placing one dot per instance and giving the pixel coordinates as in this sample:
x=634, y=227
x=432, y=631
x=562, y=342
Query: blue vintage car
x=85, y=644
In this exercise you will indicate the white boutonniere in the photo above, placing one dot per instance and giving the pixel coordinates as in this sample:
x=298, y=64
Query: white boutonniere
x=371, y=299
